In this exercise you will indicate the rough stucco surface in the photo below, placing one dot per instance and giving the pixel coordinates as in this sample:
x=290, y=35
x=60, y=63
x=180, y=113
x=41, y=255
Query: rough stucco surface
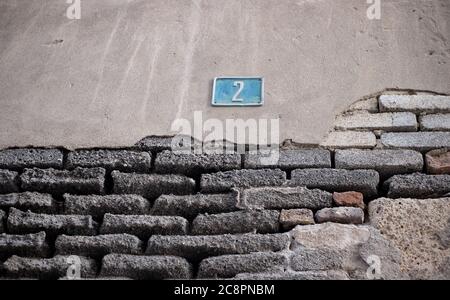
x=127, y=69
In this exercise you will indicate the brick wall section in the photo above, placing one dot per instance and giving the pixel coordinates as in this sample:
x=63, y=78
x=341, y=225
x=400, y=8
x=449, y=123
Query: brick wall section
x=213, y=215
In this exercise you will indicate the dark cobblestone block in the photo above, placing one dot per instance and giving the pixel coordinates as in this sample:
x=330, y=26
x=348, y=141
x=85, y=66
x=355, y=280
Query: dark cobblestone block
x=386, y=162
x=77, y=181
x=36, y=202
x=95, y=246
x=289, y=275
x=199, y=247
x=9, y=182
x=195, y=164
x=146, y=267
x=27, y=222
x=289, y=159
x=225, y=181
x=230, y=265
x=17, y=159
x=417, y=186
x=97, y=206
x=285, y=198
x=144, y=226
x=343, y=215
x=152, y=186
x=23, y=245
x=192, y=205
x=51, y=268
x=364, y=181
x=122, y=160
x=260, y=221
x=2, y=220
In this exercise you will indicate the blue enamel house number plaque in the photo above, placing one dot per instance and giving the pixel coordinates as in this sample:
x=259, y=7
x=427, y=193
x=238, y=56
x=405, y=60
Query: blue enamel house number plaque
x=238, y=91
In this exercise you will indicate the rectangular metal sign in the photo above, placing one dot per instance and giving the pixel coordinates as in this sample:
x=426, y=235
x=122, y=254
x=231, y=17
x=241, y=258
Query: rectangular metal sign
x=238, y=91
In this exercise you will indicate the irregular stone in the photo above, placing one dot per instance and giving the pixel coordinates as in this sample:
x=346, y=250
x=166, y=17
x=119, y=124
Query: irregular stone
x=146, y=267
x=262, y=221
x=195, y=164
x=27, y=222
x=343, y=215
x=414, y=226
x=417, y=186
x=225, y=181
x=36, y=202
x=385, y=162
x=420, y=141
x=49, y=268
x=176, y=143
x=285, y=198
x=350, y=139
x=403, y=121
x=152, y=186
x=438, y=161
x=369, y=105
x=290, y=275
x=2, y=220
x=415, y=103
x=228, y=266
x=97, y=206
x=364, y=181
x=77, y=181
x=23, y=245
x=199, y=247
x=192, y=205
x=439, y=122
x=17, y=159
x=317, y=260
x=122, y=160
x=144, y=226
x=352, y=199
x=288, y=159
x=293, y=217
x=9, y=182
x=96, y=246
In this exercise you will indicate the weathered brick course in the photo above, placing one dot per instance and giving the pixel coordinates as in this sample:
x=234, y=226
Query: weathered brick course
x=288, y=159
x=417, y=186
x=402, y=121
x=33, y=245
x=36, y=202
x=420, y=141
x=343, y=215
x=9, y=182
x=17, y=159
x=415, y=103
x=438, y=122
x=350, y=139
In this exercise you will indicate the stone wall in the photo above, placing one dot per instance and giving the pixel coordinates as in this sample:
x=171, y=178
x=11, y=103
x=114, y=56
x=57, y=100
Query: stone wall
x=376, y=191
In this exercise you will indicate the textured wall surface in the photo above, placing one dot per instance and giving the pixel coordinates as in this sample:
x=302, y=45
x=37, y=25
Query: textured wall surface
x=127, y=69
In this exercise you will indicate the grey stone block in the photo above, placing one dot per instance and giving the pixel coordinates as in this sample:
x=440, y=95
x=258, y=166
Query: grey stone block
x=402, y=121
x=95, y=246
x=317, y=260
x=292, y=217
x=225, y=181
x=369, y=105
x=290, y=275
x=417, y=186
x=438, y=122
x=2, y=220
x=122, y=160
x=343, y=215
x=420, y=141
x=9, y=182
x=152, y=186
x=192, y=205
x=195, y=164
x=17, y=159
x=260, y=221
x=33, y=245
x=288, y=159
x=27, y=222
x=364, y=181
x=228, y=266
x=199, y=247
x=50, y=268
x=144, y=226
x=385, y=162
x=97, y=206
x=36, y=202
x=285, y=198
x=415, y=103
x=146, y=267
x=350, y=139
x=77, y=181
